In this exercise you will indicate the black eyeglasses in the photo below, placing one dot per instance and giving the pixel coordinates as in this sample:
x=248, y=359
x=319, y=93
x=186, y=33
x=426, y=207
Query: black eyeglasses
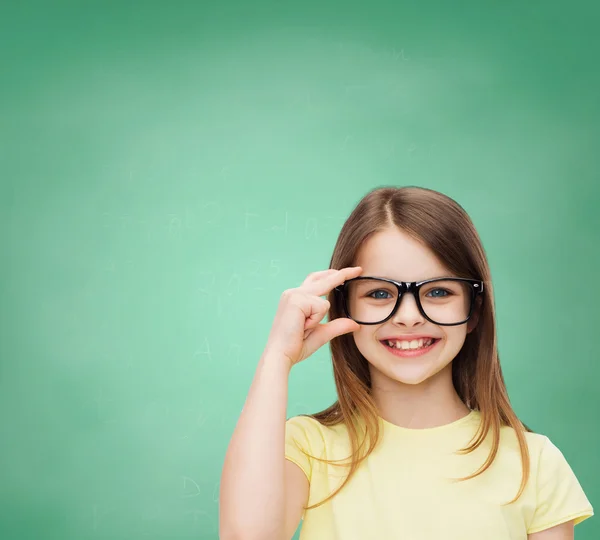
x=452, y=307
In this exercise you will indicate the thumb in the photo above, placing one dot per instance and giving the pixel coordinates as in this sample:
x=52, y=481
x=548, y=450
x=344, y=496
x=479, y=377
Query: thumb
x=326, y=332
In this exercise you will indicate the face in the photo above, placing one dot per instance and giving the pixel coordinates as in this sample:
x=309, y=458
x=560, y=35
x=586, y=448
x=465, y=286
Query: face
x=393, y=254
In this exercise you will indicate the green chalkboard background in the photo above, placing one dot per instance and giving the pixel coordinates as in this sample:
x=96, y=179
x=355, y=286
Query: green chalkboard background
x=167, y=169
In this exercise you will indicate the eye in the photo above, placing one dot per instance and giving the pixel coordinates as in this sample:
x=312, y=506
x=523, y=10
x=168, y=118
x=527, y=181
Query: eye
x=379, y=291
x=446, y=291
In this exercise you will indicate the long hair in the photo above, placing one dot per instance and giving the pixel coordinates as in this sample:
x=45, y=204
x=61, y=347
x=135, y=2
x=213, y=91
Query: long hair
x=444, y=226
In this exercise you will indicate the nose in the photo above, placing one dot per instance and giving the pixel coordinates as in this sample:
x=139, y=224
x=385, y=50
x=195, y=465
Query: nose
x=408, y=311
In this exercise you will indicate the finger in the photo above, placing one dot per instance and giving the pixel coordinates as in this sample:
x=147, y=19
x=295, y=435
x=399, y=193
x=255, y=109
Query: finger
x=315, y=276
x=319, y=310
x=325, y=285
x=326, y=332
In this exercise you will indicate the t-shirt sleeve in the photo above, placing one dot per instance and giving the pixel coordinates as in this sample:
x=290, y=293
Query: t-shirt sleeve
x=297, y=441
x=560, y=497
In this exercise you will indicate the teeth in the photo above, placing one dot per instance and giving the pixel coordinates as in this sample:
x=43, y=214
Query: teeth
x=414, y=344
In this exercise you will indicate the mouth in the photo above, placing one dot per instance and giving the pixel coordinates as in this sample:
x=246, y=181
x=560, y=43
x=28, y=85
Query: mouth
x=427, y=346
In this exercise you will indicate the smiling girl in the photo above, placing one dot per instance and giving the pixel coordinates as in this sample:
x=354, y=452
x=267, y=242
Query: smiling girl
x=422, y=442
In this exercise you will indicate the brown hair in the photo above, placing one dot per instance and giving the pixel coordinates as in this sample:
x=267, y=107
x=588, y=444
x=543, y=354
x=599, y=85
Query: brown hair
x=444, y=226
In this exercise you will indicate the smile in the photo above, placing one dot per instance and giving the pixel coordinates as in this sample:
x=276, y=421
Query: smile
x=409, y=349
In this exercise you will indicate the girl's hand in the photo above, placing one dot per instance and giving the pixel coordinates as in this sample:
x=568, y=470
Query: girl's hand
x=296, y=332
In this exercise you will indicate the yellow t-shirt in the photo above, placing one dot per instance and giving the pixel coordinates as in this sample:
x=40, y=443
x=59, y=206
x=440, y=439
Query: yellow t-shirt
x=403, y=490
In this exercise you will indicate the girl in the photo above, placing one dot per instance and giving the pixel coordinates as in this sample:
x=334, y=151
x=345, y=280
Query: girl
x=422, y=442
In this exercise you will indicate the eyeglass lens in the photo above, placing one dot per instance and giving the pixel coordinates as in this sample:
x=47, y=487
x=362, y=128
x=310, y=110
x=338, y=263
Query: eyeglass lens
x=443, y=301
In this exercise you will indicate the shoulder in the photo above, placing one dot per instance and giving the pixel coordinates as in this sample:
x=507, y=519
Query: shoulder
x=303, y=424
x=306, y=434
x=303, y=421
x=305, y=439
x=536, y=442
x=557, y=493
x=546, y=458
x=542, y=450
x=306, y=429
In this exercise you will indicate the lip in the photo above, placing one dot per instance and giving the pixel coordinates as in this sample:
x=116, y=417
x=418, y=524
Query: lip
x=408, y=337
x=409, y=353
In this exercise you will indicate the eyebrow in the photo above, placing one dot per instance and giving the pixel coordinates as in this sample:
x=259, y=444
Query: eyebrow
x=440, y=276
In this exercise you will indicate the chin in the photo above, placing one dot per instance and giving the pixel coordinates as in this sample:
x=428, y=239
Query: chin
x=410, y=374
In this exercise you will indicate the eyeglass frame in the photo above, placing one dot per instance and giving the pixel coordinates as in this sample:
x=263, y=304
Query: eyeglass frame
x=413, y=287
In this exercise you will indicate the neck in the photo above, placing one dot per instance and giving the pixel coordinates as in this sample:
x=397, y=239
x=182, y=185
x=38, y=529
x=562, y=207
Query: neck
x=432, y=403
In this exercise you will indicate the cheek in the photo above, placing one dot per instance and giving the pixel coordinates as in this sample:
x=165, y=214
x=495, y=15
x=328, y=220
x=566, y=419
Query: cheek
x=365, y=341
x=455, y=339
